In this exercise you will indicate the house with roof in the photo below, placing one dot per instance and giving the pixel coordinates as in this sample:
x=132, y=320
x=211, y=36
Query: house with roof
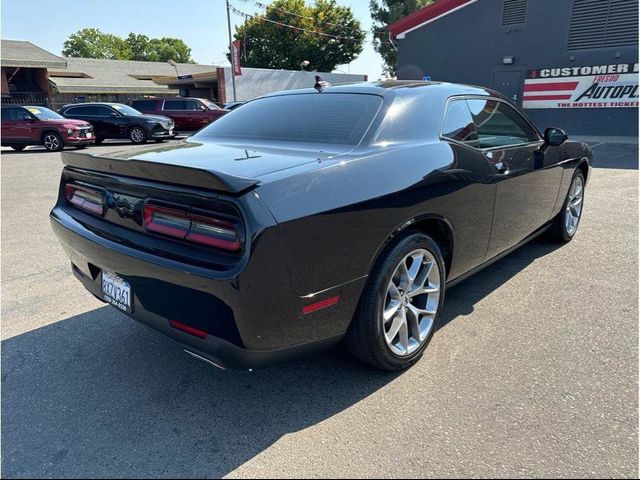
x=31, y=75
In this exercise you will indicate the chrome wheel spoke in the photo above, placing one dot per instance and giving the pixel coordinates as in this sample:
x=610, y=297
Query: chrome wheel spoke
x=391, y=310
x=398, y=321
x=404, y=336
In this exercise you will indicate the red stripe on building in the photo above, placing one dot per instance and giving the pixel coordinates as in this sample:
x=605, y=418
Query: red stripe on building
x=546, y=97
x=550, y=87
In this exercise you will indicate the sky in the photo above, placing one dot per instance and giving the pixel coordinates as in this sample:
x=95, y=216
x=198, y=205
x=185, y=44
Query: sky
x=202, y=24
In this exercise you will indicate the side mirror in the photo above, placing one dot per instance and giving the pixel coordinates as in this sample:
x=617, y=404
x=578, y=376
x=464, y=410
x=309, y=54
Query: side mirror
x=114, y=114
x=28, y=118
x=555, y=136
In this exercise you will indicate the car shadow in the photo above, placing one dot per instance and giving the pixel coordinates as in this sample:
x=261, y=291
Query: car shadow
x=99, y=395
x=461, y=299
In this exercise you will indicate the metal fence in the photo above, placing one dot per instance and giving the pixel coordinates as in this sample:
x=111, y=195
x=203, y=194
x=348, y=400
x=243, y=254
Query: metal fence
x=26, y=98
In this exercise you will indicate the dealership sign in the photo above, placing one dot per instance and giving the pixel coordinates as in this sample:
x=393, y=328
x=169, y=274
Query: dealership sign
x=597, y=86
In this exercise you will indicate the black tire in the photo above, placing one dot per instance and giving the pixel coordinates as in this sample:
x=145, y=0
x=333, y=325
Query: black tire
x=18, y=148
x=559, y=231
x=52, y=141
x=137, y=135
x=365, y=338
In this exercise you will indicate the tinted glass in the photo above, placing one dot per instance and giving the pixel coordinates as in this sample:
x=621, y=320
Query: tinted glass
x=103, y=111
x=458, y=124
x=144, y=104
x=42, y=113
x=13, y=114
x=406, y=119
x=85, y=110
x=174, y=105
x=325, y=118
x=499, y=125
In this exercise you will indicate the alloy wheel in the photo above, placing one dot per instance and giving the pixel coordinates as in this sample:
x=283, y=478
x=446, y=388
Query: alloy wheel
x=51, y=142
x=137, y=135
x=411, y=302
x=574, y=205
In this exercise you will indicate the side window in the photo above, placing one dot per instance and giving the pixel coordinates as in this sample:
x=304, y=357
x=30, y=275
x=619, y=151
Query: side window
x=193, y=105
x=103, y=111
x=499, y=125
x=458, y=124
x=12, y=114
x=82, y=111
x=174, y=105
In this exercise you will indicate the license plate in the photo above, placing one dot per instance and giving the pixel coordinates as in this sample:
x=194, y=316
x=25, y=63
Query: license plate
x=88, y=135
x=116, y=291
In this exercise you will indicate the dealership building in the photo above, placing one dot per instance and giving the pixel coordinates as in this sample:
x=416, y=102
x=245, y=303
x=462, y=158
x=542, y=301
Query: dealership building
x=568, y=63
x=33, y=76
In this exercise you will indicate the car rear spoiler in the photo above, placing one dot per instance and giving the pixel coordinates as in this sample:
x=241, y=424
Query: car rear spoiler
x=161, y=172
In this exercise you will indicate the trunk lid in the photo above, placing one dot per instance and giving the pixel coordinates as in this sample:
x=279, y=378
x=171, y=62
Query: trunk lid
x=213, y=166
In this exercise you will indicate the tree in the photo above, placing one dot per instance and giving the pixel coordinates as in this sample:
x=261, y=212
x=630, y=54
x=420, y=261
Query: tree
x=92, y=43
x=383, y=13
x=166, y=48
x=267, y=45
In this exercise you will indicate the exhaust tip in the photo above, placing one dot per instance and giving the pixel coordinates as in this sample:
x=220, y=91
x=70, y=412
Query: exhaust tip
x=205, y=360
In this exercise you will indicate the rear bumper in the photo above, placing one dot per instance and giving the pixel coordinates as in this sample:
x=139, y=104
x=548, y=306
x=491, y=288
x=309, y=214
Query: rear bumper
x=217, y=351
x=253, y=317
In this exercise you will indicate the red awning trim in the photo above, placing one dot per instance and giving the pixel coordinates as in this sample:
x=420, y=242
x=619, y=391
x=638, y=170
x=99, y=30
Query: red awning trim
x=427, y=15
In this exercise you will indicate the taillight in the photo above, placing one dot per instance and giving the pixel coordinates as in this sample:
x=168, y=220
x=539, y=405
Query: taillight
x=85, y=198
x=192, y=227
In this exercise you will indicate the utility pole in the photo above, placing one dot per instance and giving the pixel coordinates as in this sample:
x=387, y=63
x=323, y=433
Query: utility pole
x=231, y=55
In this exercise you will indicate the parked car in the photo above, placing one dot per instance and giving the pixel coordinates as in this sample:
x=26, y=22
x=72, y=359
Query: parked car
x=305, y=218
x=189, y=114
x=115, y=120
x=23, y=126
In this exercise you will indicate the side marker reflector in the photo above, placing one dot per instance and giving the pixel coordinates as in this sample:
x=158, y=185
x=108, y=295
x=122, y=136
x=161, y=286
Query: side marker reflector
x=187, y=329
x=320, y=305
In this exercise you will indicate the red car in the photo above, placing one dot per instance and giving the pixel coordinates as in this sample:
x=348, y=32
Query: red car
x=189, y=114
x=22, y=126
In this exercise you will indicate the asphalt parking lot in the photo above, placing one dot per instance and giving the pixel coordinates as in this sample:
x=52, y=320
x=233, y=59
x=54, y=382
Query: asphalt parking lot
x=534, y=371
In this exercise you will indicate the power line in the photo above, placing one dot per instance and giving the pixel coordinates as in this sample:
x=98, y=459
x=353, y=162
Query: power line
x=261, y=18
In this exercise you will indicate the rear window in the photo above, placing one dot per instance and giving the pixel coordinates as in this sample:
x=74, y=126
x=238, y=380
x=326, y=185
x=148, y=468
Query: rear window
x=324, y=118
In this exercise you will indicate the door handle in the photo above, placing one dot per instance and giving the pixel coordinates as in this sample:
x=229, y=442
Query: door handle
x=502, y=168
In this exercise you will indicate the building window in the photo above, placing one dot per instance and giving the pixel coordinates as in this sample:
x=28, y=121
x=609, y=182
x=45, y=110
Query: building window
x=514, y=12
x=603, y=23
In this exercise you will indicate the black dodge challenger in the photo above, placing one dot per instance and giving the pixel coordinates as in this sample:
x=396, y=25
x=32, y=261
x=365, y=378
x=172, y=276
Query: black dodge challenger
x=309, y=217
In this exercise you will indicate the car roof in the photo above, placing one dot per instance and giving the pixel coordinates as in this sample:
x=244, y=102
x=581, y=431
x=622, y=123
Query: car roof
x=105, y=104
x=167, y=98
x=384, y=87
